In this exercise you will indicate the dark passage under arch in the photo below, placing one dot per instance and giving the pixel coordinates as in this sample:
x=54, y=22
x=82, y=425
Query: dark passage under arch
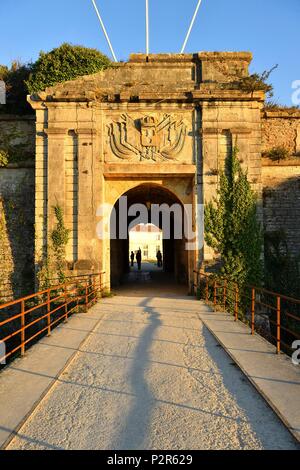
x=174, y=253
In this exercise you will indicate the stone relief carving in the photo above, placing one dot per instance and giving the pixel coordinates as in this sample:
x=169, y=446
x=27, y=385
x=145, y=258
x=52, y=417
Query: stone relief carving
x=147, y=138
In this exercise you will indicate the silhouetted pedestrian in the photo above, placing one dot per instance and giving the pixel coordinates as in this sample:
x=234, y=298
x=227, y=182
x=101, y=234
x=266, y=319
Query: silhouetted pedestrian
x=132, y=258
x=159, y=259
x=139, y=259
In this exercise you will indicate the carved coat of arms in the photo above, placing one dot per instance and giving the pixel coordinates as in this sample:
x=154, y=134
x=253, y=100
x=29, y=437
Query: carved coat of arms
x=146, y=138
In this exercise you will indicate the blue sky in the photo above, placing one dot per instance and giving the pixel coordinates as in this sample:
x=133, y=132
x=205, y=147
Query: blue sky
x=268, y=28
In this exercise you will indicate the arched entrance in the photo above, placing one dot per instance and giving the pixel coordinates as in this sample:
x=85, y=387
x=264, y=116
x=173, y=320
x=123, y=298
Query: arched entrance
x=149, y=203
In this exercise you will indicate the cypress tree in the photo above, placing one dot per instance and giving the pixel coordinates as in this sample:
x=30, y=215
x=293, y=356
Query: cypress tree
x=231, y=225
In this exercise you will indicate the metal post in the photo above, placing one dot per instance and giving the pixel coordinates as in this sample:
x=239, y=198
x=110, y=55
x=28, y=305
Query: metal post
x=77, y=295
x=22, y=328
x=94, y=289
x=236, y=303
x=86, y=295
x=191, y=26
x=278, y=324
x=206, y=290
x=66, y=304
x=215, y=294
x=224, y=294
x=104, y=31
x=253, y=311
x=48, y=313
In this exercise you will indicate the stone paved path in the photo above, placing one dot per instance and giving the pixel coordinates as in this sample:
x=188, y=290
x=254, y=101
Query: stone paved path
x=152, y=377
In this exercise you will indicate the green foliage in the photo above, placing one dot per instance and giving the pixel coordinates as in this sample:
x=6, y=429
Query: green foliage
x=277, y=153
x=3, y=72
x=12, y=149
x=16, y=90
x=45, y=272
x=59, y=237
x=61, y=64
x=271, y=105
x=4, y=158
x=232, y=228
x=257, y=82
x=64, y=63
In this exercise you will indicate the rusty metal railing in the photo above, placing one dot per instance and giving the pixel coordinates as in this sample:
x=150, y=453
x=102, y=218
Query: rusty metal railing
x=249, y=304
x=24, y=321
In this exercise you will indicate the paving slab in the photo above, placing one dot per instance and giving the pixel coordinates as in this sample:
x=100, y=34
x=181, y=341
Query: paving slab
x=275, y=376
x=28, y=379
x=151, y=376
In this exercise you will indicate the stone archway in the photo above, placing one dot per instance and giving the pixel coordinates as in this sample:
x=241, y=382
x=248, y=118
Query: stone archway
x=175, y=255
x=167, y=120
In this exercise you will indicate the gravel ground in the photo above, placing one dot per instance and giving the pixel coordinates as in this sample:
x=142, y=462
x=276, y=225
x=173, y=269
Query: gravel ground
x=152, y=377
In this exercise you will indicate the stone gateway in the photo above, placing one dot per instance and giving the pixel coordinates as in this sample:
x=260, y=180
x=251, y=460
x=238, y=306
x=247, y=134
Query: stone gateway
x=157, y=131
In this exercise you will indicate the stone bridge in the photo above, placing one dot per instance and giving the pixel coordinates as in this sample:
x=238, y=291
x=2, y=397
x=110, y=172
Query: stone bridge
x=150, y=368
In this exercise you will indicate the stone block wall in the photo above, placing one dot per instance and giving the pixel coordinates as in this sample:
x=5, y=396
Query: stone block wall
x=16, y=232
x=71, y=202
x=18, y=133
x=75, y=169
x=281, y=180
x=281, y=129
x=281, y=201
x=226, y=125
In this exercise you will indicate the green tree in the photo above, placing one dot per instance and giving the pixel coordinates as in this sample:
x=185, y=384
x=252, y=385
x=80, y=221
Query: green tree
x=232, y=228
x=16, y=90
x=65, y=63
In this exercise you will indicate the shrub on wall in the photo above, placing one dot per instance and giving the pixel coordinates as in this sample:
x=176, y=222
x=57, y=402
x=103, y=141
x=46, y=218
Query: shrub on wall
x=258, y=82
x=277, y=153
x=271, y=105
x=66, y=62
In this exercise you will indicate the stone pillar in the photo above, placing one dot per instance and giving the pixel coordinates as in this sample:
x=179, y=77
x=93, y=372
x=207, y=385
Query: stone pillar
x=88, y=255
x=56, y=192
x=298, y=140
x=241, y=139
x=210, y=175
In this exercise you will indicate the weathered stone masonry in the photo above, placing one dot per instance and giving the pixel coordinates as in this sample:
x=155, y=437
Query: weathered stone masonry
x=281, y=128
x=281, y=180
x=17, y=194
x=167, y=122
x=161, y=128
